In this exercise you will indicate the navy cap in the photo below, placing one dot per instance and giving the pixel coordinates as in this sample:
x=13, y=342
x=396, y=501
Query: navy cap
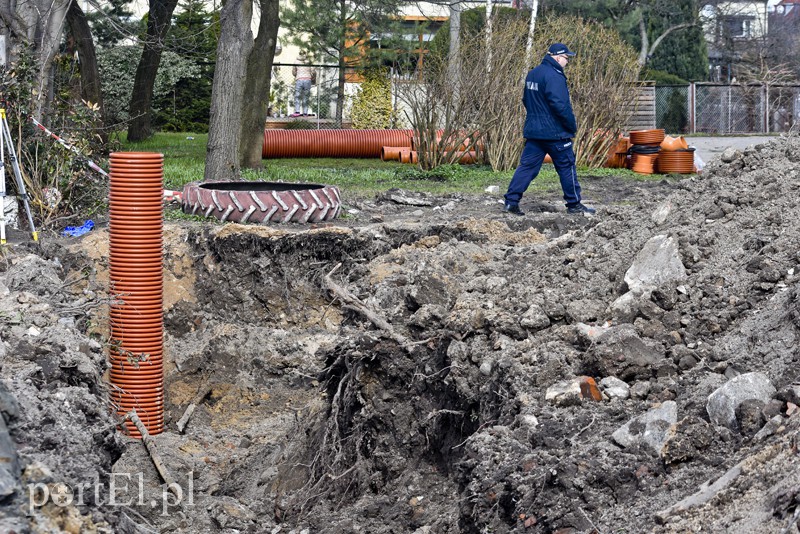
x=558, y=49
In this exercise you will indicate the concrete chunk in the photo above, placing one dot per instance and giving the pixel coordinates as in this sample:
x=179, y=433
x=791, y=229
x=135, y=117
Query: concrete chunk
x=658, y=263
x=649, y=428
x=723, y=402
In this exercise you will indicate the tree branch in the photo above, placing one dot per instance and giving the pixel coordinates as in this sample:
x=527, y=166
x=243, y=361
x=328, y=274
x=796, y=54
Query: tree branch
x=666, y=33
x=643, y=51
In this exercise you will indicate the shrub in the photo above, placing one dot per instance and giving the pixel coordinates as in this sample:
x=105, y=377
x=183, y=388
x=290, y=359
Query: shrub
x=59, y=184
x=117, y=68
x=663, y=78
x=601, y=78
x=675, y=118
x=372, y=104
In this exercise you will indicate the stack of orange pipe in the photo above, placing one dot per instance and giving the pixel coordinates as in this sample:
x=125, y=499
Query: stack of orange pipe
x=675, y=156
x=406, y=155
x=643, y=161
x=391, y=153
x=680, y=162
x=137, y=322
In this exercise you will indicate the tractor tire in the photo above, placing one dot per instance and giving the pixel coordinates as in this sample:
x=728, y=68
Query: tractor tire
x=262, y=202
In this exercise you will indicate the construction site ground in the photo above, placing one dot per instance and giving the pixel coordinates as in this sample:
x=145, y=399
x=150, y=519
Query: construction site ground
x=431, y=364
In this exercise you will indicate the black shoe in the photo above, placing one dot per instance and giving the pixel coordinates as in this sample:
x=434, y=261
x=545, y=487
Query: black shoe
x=580, y=208
x=513, y=208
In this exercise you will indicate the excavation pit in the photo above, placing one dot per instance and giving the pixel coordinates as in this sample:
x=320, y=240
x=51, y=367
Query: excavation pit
x=412, y=368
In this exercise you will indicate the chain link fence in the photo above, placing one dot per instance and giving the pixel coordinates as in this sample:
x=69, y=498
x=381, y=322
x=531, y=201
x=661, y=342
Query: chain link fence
x=679, y=109
x=286, y=99
x=672, y=108
x=727, y=109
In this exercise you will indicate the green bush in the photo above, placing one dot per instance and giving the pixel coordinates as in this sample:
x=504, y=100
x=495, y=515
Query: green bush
x=663, y=78
x=473, y=21
x=60, y=185
x=372, y=105
x=675, y=117
x=117, y=68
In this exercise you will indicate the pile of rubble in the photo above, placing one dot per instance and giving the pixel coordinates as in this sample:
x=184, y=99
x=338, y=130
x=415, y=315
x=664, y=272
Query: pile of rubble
x=439, y=368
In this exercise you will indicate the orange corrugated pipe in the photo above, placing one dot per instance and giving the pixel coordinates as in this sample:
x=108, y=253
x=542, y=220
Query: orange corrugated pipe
x=331, y=143
x=136, y=278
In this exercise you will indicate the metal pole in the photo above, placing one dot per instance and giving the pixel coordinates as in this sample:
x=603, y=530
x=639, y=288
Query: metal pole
x=2, y=193
x=730, y=100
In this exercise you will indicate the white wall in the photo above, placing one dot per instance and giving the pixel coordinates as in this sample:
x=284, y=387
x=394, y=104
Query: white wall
x=754, y=11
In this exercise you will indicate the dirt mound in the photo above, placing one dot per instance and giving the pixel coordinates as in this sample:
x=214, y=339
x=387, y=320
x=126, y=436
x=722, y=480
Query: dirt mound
x=444, y=367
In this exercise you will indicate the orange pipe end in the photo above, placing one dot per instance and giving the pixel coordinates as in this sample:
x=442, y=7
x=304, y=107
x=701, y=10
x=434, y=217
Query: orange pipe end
x=390, y=153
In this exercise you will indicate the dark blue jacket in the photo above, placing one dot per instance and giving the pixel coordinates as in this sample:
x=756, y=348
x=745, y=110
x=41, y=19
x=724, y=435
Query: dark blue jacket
x=546, y=98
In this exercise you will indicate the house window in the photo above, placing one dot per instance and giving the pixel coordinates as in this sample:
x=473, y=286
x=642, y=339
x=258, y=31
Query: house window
x=738, y=26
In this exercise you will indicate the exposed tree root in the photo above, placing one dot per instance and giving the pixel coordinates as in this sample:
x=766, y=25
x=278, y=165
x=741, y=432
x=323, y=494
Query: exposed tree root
x=354, y=303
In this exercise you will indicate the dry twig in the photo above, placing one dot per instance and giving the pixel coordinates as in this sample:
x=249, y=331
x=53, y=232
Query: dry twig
x=202, y=393
x=152, y=450
x=702, y=496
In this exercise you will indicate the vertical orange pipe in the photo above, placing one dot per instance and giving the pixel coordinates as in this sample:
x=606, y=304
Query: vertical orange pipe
x=136, y=278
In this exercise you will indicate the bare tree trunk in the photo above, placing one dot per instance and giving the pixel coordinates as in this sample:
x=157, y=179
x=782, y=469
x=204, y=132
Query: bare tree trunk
x=340, y=86
x=454, y=55
x=47, y=40
x=488, y=36
x=90, y=77
x=645, y=48
x=256, y=91
x=227, y=92
x=158, y=24
x=531, y=28
x=340, y=92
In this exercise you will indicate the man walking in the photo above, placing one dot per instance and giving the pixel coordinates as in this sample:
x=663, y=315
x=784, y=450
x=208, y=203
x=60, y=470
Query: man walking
x=549, y=129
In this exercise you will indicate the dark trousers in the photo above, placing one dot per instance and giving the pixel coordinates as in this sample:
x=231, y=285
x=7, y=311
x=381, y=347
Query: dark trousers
x=531, y=162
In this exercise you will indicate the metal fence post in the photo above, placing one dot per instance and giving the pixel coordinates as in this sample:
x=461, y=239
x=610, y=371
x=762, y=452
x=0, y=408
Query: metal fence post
x=730, y=101
x=765, y=101
x=692, y=108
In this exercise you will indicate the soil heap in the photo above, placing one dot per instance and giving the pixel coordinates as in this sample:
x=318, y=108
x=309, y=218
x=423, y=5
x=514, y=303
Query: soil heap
x=437, y=366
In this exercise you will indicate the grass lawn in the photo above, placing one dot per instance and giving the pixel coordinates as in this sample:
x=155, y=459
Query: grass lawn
x=184, y=156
